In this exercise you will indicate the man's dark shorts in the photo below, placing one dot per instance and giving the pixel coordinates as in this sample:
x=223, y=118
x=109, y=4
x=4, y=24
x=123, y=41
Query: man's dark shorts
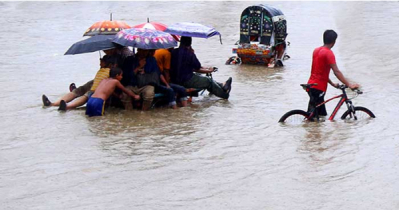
x=95, y=107
x=316, y=97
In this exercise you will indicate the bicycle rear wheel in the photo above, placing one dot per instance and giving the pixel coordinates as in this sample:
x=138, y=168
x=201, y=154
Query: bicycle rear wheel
x=360, y=113
x=294, y=117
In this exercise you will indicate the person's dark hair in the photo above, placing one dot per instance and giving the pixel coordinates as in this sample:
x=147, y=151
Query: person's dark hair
x=118, y=46
x=185, y=41
x=114, y=72
x=105, y=57
x=109, y=59
x=151, y=53
x=329, y=36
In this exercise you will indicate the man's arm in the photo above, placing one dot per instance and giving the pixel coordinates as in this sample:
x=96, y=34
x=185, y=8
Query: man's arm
x=341, y=77
x=130, y=93
x=166, y=73
x=163, y=79
x=332, y=83
x=205, y=70
x=196, y=65
x=140, y=67
x=166, y=66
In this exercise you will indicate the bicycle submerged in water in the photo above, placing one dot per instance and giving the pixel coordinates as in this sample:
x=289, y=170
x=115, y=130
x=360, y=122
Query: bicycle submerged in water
x=353, y=112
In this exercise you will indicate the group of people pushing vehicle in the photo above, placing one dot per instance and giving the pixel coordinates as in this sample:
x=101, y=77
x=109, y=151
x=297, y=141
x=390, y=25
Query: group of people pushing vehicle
x=171, y=72
x=133, y=80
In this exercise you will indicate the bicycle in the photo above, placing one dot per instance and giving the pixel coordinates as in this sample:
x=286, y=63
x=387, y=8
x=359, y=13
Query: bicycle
x=355, y=112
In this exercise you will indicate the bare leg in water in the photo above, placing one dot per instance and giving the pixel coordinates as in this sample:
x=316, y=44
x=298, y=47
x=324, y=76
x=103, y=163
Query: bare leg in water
x=76, y=103
x=67, y=98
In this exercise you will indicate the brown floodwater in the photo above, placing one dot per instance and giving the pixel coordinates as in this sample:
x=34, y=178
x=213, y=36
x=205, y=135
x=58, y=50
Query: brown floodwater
x=214, y=154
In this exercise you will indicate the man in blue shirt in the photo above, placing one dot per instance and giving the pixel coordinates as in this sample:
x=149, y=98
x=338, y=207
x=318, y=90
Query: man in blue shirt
x=183, y=65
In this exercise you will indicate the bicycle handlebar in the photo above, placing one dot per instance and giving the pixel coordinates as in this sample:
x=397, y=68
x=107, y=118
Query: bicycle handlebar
x=340, y=86
x=343, y=86
x=215, y=69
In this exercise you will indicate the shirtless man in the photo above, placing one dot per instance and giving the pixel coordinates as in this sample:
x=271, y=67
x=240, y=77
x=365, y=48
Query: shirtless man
x=95, y=104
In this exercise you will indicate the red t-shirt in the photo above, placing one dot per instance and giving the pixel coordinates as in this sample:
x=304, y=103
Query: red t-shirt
x=323, y=57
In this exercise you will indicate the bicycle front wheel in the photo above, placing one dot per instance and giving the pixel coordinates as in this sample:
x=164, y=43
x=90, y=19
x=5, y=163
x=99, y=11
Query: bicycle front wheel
x=294, y=116
x=360, y=113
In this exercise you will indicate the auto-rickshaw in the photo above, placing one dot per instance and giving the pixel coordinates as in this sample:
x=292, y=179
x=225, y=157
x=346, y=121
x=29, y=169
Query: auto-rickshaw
x=263, y=33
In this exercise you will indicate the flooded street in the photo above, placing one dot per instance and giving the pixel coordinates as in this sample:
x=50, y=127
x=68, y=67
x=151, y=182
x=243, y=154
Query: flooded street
x=214, y=154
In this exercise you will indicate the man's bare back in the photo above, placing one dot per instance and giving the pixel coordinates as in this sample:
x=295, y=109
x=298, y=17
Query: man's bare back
x=107, y=87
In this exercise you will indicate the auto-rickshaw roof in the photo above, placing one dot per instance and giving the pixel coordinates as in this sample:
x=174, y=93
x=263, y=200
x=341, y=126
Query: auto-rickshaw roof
x=271, y=10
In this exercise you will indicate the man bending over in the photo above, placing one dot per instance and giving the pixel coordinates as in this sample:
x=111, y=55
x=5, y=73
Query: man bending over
x=95, y=104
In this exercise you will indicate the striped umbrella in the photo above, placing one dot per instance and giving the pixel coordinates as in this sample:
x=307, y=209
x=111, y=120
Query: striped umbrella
x=155, y=26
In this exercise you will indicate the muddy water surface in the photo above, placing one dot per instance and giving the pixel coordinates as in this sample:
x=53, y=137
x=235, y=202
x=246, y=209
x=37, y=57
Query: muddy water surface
x=214, y=154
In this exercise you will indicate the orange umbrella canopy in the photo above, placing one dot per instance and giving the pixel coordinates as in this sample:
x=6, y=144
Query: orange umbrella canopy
x=106, y=27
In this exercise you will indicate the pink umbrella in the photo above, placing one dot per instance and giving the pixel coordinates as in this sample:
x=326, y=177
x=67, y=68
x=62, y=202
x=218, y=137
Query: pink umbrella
x=152, y=25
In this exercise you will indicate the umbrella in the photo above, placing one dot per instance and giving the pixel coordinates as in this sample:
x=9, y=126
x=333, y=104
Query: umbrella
x=94, y=43
x=106, y=27
x=152, y=25
x=155, y=26
x=144, y=38
x=192, y=30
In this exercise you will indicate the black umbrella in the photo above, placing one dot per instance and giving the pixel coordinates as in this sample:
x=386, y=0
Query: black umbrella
x=92, y=44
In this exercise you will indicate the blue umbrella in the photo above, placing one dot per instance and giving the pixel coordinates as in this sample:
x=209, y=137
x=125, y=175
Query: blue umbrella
x=92, y=44
x=144, y=38
x=192, y=30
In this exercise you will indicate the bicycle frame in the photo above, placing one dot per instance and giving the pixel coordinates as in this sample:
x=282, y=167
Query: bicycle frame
x=344, y=98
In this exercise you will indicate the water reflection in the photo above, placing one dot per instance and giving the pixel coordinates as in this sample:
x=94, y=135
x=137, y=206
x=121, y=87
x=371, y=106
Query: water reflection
x=316, y=143
x=257, y=74
x=160, y=132
x=330, y=150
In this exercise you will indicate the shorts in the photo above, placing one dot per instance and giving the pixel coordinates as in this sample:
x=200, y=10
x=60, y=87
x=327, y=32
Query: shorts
x=317, y=97
x=81, y=90
x=146, y=93
x=95, y=107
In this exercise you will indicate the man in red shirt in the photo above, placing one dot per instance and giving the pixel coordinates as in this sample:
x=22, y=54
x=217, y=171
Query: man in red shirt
x=323, y=62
